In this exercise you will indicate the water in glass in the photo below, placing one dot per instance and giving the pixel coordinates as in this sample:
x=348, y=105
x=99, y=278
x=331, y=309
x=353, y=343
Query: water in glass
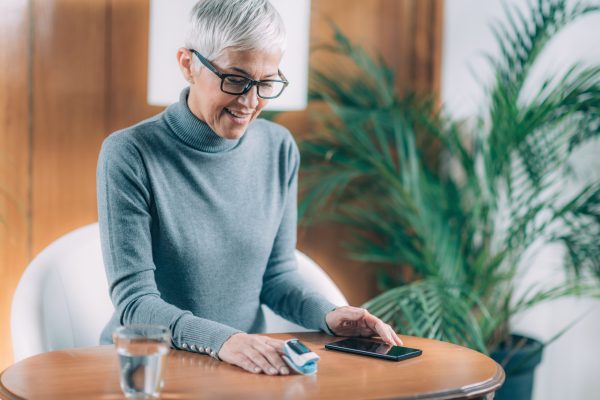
x=142, y=354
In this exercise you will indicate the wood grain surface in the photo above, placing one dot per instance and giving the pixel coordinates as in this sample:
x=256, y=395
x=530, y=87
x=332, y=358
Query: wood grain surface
x=443, y=371
x=69, y=86
x=15, y=102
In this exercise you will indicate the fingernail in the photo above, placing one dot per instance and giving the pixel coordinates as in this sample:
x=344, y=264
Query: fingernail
x=284, y=371
x=272, y=371
x=257, y=370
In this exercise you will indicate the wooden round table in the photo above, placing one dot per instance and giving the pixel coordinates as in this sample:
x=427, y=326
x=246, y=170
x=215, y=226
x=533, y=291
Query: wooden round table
x=443, y=371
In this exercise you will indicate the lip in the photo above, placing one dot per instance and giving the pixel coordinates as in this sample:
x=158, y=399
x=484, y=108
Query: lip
x=240, y=119
x=238, y=113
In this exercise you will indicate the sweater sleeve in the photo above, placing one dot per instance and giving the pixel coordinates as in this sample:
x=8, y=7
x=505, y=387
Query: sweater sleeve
x=284, y=290
x=124, y=204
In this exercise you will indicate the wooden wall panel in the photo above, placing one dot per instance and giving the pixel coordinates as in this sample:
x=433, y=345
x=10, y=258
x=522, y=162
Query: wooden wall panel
x=130, y=20
x=14, y=160
x=407, y=33
x=69, y=87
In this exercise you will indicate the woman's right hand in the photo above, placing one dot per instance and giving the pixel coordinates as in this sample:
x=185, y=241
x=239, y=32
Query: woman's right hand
x=255, y=353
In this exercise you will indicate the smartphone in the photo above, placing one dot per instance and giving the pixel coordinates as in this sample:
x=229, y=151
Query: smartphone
x=373, y=348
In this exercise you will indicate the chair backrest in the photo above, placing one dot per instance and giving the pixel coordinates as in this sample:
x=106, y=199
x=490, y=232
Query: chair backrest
x=319, y=280
x=62, y=299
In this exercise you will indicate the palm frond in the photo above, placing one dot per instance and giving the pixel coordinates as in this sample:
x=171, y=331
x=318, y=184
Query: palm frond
x=580, y=230
x=521, y=41
x=430, y=308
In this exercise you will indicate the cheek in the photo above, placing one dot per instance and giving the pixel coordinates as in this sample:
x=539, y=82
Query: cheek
x=262, y=103
x=219, y=103
x=211, y=103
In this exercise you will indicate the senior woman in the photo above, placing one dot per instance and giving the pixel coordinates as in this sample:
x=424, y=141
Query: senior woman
x=197, y=205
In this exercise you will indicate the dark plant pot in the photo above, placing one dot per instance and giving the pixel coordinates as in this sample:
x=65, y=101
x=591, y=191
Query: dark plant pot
x=519, y=368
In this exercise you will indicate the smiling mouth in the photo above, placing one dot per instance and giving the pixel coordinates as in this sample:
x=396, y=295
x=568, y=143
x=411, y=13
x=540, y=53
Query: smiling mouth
x=237, y=115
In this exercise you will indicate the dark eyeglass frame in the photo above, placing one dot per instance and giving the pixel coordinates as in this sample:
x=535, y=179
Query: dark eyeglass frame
x=251, y=82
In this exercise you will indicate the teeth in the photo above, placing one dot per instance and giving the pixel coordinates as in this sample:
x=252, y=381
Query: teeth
x=234, y=114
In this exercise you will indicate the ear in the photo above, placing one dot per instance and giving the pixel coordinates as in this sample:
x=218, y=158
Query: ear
x=184, y=59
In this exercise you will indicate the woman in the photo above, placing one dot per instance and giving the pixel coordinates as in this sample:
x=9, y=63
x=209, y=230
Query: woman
x=197, y=205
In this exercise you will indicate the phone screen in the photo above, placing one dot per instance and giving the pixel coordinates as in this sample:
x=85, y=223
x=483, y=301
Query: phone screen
x=374, y=348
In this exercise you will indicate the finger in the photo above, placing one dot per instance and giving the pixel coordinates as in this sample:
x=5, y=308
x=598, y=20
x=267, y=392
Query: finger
x=260, y=360
x=395, y=337
x=386, y=330
x=276, y=344
x=371, y=320
x=377, y=326
x=382, y=329
x=270, y=353
x=246, y=363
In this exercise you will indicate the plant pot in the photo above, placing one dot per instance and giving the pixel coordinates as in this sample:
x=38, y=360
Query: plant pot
x=519, y=369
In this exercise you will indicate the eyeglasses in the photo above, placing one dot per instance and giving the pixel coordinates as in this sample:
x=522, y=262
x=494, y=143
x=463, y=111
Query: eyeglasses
x=238, y=84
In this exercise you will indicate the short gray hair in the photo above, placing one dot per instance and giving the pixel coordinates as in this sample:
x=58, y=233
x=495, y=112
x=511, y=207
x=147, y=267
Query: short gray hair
x=216, y=25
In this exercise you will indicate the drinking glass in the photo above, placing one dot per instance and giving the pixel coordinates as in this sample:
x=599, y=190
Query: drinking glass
x=142, y=351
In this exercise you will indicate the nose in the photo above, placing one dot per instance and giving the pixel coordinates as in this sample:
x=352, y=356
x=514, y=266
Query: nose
x=250, y=99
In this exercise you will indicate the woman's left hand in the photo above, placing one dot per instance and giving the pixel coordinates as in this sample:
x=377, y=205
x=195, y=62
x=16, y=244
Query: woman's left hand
x=354, y=321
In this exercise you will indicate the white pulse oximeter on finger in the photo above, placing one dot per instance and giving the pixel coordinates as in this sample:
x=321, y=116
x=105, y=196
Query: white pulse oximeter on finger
x=299, y=357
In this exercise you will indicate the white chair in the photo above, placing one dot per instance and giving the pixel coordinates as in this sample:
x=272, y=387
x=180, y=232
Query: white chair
x=62, y=299
x=319, y=280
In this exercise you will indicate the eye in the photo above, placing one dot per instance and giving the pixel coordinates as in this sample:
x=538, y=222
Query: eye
x=267, y=84
x=237, y=80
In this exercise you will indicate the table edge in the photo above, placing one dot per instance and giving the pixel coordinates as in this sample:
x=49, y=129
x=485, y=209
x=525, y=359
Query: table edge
x=5, y=393
x=469, y=391
x=465, y=392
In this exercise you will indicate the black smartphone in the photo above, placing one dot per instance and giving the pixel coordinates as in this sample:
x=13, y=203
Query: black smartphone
x=373, y=348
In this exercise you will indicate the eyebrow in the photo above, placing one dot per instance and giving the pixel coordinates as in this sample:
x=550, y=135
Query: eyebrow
x=247, y=74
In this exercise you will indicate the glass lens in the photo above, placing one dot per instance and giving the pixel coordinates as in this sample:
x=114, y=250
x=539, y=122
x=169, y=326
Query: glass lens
x=235, y=84
x=270, y=89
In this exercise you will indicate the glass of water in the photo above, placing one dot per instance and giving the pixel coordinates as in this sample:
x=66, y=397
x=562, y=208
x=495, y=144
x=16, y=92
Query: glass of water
x=142, y=351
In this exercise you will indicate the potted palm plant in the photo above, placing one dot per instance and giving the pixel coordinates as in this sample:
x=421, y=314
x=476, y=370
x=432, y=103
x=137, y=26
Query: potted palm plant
x=456, y=223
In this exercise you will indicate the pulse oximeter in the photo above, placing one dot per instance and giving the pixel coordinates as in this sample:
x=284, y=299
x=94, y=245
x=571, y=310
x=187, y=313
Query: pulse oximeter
x=299, y=357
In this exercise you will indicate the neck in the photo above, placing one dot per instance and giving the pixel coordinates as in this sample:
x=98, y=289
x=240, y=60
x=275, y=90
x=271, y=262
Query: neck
x=188, y=127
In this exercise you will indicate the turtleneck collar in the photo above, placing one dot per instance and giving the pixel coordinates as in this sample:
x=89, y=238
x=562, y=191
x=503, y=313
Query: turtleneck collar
x=193, y=131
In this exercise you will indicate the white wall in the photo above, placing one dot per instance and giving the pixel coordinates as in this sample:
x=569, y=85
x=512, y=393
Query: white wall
x=571, y=366
x=168, y=26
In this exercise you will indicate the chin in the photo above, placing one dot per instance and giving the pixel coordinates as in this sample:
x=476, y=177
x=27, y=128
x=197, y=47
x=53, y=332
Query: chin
x=234, y=134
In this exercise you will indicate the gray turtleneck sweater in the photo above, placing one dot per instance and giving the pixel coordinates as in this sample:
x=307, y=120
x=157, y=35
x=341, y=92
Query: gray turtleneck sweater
x=198, y=231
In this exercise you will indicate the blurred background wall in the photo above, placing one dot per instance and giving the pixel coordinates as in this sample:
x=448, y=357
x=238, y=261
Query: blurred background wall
x=72, y=71
x=570, y=366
